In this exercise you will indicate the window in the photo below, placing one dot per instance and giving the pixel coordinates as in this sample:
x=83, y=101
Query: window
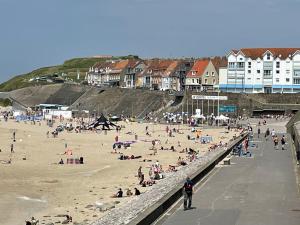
x=258, y=71
x=287, y=79
x=277, y=64
x=287, y=71
x=267, y=73
x=193, y=80
x=231, y=65
x=249, y=71
x=258, y=78
x=277, y=71
x=213, y=74
x=296, y=73
x=249, y=78
x=277, y=79
x=296, y=81
x=197, y=81
x=240, y=65
x=268, y=56
x=249, y=65
x=205, y=81
x=193, y=72
x=207, y=73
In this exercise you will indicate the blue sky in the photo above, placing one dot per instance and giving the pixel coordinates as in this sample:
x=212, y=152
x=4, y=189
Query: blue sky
x=36, y=33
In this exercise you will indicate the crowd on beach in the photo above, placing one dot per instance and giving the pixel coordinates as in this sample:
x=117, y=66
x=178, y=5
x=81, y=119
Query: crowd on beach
x=153, y=171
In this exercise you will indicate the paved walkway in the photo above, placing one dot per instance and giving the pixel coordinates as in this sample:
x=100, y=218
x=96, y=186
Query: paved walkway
x=259, y=190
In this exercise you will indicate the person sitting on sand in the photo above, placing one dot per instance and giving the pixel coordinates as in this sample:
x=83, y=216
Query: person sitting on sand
x=61, y=162
x=68, y=219
x=136, y=191
x=119, y=194
x=172, y=148
x=129, y=193
x=32, y=222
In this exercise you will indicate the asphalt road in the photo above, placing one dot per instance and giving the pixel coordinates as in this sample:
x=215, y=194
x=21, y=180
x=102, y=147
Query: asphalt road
x=257, y=190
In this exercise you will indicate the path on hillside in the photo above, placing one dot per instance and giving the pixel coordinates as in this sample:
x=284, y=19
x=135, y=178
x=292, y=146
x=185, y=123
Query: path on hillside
x=257, y=190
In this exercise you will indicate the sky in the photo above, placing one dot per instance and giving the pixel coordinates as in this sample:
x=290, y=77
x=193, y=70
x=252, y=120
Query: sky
x=37, y=33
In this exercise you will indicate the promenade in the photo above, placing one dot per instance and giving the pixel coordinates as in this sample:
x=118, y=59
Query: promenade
x=261, y=189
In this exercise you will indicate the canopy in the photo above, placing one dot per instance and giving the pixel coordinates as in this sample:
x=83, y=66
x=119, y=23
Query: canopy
x=222, y=117
x=102, y=121
x=197, y=116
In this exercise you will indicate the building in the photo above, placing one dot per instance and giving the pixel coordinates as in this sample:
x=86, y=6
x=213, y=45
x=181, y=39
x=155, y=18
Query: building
x=262, y=70
x=107, y=73
x=154, y=71
x=133, y=68
x=194, y=77
x=179, y=76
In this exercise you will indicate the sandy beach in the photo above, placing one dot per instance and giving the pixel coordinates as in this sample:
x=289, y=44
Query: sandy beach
x=40, y=187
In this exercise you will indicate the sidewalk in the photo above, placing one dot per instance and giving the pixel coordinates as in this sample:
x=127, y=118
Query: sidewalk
x=253, y=190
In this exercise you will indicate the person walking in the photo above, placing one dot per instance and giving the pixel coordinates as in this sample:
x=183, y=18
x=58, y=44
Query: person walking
x=273, y=133
x=267, y=134
x=275, y=139
x=258, y=132
x=187, y=193
x=282, y=142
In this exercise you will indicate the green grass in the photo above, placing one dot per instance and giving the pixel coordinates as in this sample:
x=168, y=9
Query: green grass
x=69, y=67
x=5, y=102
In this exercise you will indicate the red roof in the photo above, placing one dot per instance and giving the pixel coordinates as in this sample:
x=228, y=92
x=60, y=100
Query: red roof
x=255, y=53
x=198, y=68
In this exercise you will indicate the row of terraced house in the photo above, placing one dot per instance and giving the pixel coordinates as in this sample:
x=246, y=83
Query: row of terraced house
x=254, y=70
x=158, y=74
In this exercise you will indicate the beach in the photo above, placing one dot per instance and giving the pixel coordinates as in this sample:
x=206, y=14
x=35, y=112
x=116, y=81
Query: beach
x=40, y=187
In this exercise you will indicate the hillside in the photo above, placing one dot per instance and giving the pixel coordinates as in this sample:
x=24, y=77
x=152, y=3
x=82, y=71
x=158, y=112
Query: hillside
x=69, y=68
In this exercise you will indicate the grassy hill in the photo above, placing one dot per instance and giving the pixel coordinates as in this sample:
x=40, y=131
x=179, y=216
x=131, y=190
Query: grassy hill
x=69, y=67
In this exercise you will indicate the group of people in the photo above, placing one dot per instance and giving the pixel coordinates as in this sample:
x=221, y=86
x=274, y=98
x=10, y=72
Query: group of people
x=129, y=193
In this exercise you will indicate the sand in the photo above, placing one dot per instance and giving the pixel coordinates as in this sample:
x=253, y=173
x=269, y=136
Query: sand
x=39, y=187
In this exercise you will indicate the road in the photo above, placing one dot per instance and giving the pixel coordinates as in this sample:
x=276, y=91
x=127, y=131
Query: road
x=257, y=190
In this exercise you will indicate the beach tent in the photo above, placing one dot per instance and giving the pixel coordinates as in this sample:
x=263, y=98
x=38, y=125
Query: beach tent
x=102, y=121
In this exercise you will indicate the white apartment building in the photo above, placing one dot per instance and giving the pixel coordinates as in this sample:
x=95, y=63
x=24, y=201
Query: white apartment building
x=262, y=70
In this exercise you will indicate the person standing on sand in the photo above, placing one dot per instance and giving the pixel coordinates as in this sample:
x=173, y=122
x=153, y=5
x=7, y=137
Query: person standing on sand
x=14, y=136
x=12, y=148
x=187, y=193
x=258, y=132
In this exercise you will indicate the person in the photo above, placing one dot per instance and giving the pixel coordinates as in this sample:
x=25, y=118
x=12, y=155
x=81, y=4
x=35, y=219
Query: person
x=128, y=193
x=136, y=191
x=32, y=222
x=267, y=134
x=119, y=193
x=12, y=148
x=61, y=162
x=187, y=193
x=258, y=132
x=275, y=139
x=14, y=136
x=142, y=178
x=140, y=172
x=282, y=142
x=273, y=133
